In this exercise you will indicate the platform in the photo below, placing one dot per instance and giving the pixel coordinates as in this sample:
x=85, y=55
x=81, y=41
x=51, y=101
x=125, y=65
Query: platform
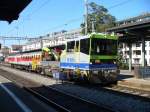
x=126, y=78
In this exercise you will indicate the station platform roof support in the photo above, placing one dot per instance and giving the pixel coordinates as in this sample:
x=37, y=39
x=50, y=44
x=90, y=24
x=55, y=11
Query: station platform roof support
x=137, y=30
x=10, y=9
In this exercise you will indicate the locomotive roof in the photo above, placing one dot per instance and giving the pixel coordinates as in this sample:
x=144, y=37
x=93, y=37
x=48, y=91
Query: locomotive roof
x=95, y=35
x=78, y=38
x=104, y=36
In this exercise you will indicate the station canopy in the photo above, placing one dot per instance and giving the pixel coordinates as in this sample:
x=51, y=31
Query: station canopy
x=133, y=29
x=10, y=9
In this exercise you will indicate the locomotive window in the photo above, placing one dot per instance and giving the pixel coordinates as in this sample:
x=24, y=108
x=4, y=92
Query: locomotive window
x=77, y=46
x=70, y=46
x=84, y=45
x=103, y=47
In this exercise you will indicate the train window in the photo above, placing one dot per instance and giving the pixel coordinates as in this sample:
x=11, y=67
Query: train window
x=84, y=45
x=103, y=47
x=37, y=56
x=77, y=46
x=70, y=46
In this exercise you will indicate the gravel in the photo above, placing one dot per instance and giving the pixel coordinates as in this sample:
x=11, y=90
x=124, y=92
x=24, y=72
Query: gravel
x=115, y=101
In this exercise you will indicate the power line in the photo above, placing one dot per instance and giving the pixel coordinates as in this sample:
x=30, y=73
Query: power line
x=33, y=12
x=119, y=4
x=73, y=20
x=41, y=6
x=16, y=38
x=64, y=24
x=111, y=7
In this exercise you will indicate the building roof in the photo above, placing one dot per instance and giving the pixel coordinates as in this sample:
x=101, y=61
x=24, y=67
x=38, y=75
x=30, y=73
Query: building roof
x=10, y=9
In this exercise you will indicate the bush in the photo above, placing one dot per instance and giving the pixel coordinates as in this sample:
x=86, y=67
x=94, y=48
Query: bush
x=121, y=62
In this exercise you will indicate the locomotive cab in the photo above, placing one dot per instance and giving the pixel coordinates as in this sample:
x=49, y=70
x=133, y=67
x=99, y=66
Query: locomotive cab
x=103, y=55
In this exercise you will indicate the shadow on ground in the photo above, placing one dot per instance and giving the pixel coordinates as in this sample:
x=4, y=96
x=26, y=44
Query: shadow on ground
x=122, y=77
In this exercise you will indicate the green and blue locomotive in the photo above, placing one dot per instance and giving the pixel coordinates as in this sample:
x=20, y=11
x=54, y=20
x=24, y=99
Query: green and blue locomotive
x=91, y=57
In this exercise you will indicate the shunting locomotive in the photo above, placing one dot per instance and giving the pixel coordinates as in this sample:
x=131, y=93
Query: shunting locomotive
x=91, y=57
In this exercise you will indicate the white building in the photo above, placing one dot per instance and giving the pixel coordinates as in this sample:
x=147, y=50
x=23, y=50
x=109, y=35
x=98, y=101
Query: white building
x=136, y=52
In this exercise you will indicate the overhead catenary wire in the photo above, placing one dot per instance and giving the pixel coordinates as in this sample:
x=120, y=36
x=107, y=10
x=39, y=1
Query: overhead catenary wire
x=119, y=4
x=75, y=20
x=71, y=21
x=64, y=24
x=40, y=7
x=30, y=14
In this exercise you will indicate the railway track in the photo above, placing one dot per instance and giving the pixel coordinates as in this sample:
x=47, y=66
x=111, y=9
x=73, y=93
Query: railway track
x=120, y=90
x=61, y=101
x=66, y=102
x=116, y=88
x=132, y=91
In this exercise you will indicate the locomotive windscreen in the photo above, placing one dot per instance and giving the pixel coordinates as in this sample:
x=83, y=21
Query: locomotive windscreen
x=103, y=47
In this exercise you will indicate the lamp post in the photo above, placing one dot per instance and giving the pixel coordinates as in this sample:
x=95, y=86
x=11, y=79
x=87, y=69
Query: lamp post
x=93, y=26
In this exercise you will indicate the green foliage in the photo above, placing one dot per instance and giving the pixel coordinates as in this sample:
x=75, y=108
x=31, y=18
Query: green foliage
x=121, y=62
x=100, y=17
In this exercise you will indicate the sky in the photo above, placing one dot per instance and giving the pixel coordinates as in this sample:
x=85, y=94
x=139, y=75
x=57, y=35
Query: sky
x=41, y=17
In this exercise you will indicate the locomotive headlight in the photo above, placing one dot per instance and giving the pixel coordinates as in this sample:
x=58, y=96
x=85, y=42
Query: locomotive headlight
x=93, y=61
x=97, y=61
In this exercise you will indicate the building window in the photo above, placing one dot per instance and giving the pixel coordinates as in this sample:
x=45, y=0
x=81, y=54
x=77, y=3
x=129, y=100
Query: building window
x=145, y=44
x=126, y=52
x=138, y=44
x=138, y=52
x=136, y=61
x=134, y=52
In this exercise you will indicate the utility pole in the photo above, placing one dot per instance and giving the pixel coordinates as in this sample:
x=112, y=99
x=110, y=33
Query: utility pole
x=17, y=33
x=93, y=29
x=86, y=16
x=41, y=41
x=3, y=42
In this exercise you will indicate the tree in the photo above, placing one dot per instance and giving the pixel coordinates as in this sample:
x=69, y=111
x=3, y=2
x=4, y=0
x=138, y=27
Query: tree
x=100, y=17
x=121, y=62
